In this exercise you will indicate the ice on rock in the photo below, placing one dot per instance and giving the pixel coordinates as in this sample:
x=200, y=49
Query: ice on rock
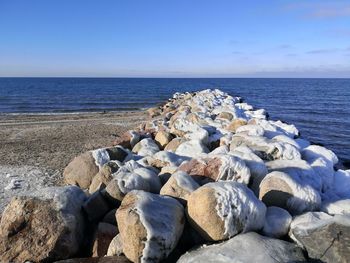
x=193, y=149
x=101, y=157
x=169, y=158
x=256, y=165
x=189, y=130
x=251, y=129
x=133, y=176
x=339, y=207
x=146, y=147
x=341, y=184
x=237, y=203
x=277, y=222
x=299, y=170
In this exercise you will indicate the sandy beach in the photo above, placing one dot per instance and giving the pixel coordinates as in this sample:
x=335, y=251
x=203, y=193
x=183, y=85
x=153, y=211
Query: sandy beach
x=36, y=148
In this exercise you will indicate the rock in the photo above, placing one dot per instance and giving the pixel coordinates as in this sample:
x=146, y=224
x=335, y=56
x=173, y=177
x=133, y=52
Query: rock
x=189, y=130
x=47, y=226
x=222, y=210
x=128, y=139
x=150, y=226
x=277, y=222
x=163, y=138
x=103, y=237
x=265, y=148
x=117, y=153
x=146, y=147
x=324, y=237
x=193, y=148
x=110, y=217
x=116, y=246
x=164, y=158
x=104, y=176
x=95, y=207
x=225, y=115
x=132, y=176
x=235, y=124
x=81, y=170
x=154, y=112
x=115, y=259
x=249, y=247
x=219, y=167
x=339, y=207
x=180, y=185
x=280, y=189
x=173, y=144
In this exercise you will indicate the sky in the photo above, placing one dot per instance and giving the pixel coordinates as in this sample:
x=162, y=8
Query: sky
x=179, y=38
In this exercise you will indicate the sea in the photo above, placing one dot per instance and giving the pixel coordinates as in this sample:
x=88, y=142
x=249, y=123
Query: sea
x=319, y=108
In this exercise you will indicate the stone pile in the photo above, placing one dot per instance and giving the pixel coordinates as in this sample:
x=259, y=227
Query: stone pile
x=207, y=179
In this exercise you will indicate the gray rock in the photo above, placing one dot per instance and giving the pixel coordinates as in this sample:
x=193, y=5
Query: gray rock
x=324, y=237
x=249, y=247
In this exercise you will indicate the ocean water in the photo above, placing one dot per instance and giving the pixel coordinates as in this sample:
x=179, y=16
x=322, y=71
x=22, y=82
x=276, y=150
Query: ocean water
x=320, y=108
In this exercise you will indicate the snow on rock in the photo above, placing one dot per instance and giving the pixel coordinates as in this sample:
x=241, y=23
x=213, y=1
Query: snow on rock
x=150, y=226
x=165, y=158
x=218, y=167
x=101, y=157
x=236, y=209
x=277, y=222
x=341, y=184
x=193, y=148
x=339, y=207
x=286, y=191
x=249, y=247
x=146, y=147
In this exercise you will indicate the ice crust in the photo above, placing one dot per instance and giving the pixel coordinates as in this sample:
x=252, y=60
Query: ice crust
x=237, y=203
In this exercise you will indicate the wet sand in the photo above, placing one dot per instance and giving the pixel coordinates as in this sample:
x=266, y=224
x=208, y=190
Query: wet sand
x=34, y=149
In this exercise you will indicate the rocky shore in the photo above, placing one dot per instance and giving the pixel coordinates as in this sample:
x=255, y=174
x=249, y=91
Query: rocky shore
x=207, y=178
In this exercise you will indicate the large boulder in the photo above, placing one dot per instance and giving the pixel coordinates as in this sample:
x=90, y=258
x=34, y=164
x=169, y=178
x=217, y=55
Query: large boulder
x=246, y=248
x=146, y=147
x=221, y=210
x=47, y=226
x=192, y=148
x=164, y=158
x=132, y=176
x=163, y=138
x=180, y=185
x=150, y=226
x=81, y=170
x=325, y=237
x=128, y=139
x=219, y=167
x=282, y=190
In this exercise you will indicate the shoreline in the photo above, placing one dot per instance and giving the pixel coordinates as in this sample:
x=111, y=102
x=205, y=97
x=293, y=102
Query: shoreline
x=36, y=148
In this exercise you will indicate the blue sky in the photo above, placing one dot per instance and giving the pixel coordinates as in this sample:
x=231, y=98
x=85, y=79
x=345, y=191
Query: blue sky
x=179, y=38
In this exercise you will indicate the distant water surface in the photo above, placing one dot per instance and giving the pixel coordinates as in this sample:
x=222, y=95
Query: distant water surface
x=320, y=108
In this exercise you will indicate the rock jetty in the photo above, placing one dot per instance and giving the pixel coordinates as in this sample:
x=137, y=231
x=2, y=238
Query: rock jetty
x=208, y=178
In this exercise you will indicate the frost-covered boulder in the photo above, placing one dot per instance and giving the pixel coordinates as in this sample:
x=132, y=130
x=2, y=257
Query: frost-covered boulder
x=324, y=237
x=193, y=148
x=164, y=158
x=180, y=185
x=282, y=190
x=189, y=130
x=132, y=176
x=47, y=226
x=221, y=210
x=150, y=226
x=265, y=148
x=277, y=222
x=256, y=165
x=299, y=170
x=235, y=124
x=218, y=167
x=249, y=247
x=146, y=147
